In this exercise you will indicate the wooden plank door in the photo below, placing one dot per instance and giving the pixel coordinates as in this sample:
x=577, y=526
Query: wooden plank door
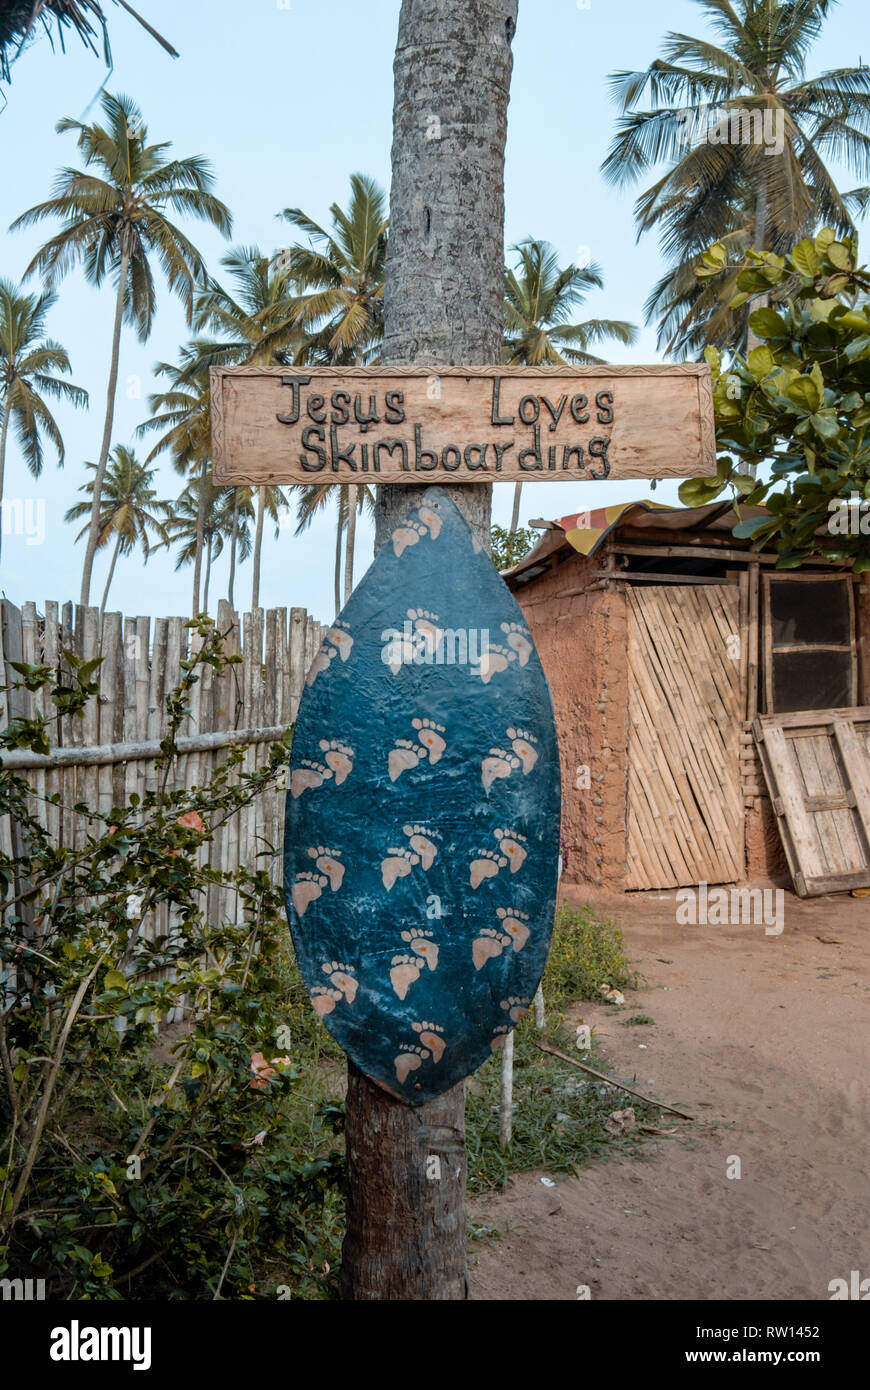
x=817, y=768
x=685, y=704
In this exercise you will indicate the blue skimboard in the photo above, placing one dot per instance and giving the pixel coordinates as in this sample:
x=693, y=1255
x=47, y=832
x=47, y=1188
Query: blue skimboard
x=422, y=823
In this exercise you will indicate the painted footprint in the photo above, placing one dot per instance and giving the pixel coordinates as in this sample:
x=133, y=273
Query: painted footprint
x=516, y=1006
x=409, y=1060
x=431, y=520
x=485, y=864
x=342, y=977
x=514, y=923
x=398, y=864
x=431, y=1037
x=493, y=660
x=499, y=1035
x=329, y=862
x=421, y=838
x=409, y=533
x=422, y=943
x=339, y=757
x=519, y=639
x=404, y=970
x=429, y=734
x=319, y=664
x=340, y=637
x=489, y=944
x=399, y=651
x=307, y=888
x=426, y=626
x=523, y=744
x=512, y=844
x=497, y=764
x=308, y=775
x=404, y=756
x=324, y=1000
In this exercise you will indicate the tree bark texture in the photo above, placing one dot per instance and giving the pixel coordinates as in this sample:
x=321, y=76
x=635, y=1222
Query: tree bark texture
x=111, y=394
x=443, y=305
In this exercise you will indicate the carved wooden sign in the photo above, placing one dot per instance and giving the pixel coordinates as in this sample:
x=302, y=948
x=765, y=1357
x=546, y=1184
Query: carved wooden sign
x=460, y=424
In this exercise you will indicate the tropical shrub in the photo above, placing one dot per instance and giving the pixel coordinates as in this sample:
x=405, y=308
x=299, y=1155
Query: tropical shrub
x=137, y=1163
x=799, y=401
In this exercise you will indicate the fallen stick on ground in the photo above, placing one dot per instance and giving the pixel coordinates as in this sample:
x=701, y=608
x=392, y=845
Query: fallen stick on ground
x=620, y=1086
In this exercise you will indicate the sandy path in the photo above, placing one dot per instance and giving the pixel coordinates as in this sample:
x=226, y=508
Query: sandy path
x=764, y=1038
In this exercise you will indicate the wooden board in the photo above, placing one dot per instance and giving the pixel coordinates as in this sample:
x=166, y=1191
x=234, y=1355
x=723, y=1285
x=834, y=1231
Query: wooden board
x=460, y=424
x=817, y=769
x=685, y=703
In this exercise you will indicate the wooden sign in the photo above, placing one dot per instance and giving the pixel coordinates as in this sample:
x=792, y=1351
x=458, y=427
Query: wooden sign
x=460, y=424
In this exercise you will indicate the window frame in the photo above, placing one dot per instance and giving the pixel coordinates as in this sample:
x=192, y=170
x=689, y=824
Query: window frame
x=768, y=648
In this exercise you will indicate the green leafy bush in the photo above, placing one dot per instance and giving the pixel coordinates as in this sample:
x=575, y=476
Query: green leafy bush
x=508, y=547
x=143, y=1164
x=587, y=952
x=799, y=401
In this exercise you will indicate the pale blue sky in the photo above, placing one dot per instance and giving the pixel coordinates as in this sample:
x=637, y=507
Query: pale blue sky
x=287, y=100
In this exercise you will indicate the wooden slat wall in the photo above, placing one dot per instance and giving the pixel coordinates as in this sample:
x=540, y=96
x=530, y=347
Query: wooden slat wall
x=141, y=664
x=817, y=767
x=685, y=701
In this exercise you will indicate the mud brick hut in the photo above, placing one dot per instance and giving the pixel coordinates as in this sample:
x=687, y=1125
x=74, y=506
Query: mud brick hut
x=713, y=711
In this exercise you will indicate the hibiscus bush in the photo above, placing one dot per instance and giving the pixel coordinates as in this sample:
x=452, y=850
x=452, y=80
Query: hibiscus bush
x=139, y=1160
x=799, y=402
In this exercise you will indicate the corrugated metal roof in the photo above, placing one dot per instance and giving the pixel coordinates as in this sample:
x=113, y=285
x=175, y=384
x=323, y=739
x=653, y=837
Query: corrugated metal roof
x=584, y=531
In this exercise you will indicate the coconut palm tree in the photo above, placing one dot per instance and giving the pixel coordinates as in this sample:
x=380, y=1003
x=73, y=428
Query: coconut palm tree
x=242, y=514
x=745, y=134
x=340, y=277
x=19, y=20
x=255, y=323
x=116, y=217
x=129, y=510
x=32, y=367
x=539, y=301
x=312, y=498
x=181, y=411
x=200, y=515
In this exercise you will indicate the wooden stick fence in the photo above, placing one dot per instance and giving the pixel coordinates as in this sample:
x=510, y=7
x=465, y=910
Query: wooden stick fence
x=110, y=753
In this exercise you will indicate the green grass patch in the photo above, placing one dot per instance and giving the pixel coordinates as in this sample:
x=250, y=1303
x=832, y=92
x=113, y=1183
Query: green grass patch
x=587, y=952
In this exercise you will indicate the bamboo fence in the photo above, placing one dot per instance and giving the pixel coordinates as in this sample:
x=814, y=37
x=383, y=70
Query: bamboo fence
x=104, y=757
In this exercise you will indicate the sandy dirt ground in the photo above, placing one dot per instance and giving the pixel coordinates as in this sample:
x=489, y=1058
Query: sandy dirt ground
x=765, y=1039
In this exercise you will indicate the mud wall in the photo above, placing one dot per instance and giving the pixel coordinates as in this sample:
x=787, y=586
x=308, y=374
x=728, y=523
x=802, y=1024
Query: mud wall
x=580, y=633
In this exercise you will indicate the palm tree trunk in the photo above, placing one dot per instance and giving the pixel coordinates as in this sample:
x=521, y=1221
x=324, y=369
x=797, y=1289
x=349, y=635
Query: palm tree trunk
x=3, y=434
x=207, y=572
x=515, y=517
x=109, y=580
x=339, y=531
x=94, y=528
x=233, y=541
x=758, y=240
x=406, y=1237
x=258, y=546
x=200, y=533
x=350, y=542
x=762, y=300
